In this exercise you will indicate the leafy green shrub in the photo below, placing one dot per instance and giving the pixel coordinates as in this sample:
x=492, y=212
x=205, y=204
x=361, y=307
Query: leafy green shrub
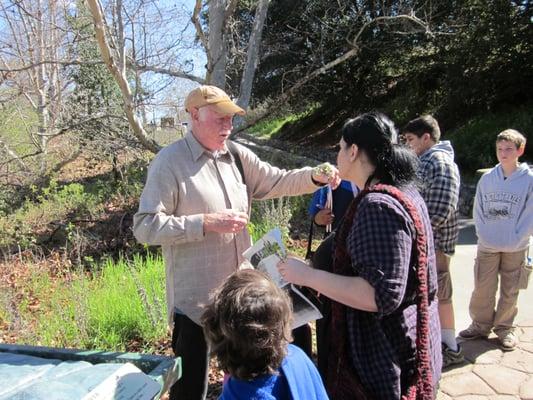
x=50, y=204
x=270, y=214
x=299, y=207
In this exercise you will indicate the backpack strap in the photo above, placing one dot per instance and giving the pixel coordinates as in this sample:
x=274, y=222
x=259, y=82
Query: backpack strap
x=309, y=252
x=232, y=148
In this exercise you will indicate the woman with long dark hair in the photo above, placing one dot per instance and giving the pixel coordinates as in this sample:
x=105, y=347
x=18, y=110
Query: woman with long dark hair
x=384, y=330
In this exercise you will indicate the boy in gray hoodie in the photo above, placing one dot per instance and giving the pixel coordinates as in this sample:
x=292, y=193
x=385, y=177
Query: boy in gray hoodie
x=503, y=214
x=440, y=180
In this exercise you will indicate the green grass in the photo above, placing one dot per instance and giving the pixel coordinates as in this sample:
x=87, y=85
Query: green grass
x=63, y=322
x=127, y=302
x=268, y=127
x=122, y=301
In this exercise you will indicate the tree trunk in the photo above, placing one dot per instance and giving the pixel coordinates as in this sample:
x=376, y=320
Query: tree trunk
x=252, y=58
x=252, y=54
x=42, y=90
x=217, y=43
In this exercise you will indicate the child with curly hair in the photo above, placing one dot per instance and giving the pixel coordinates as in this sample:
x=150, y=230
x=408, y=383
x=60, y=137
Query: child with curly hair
x=248, y=329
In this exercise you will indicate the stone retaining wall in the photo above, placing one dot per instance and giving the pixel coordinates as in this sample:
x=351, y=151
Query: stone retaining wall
x=466, y=199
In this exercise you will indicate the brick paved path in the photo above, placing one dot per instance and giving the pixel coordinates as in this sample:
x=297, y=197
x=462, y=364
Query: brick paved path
x=488, y=373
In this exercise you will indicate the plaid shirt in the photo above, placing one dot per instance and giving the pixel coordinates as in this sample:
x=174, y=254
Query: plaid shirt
x=440, y=189
x=382, y=344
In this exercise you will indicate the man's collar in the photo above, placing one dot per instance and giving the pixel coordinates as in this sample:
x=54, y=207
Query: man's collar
x=197, y=149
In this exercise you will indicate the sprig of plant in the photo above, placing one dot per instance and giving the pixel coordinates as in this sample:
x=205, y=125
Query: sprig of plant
x=325, y=169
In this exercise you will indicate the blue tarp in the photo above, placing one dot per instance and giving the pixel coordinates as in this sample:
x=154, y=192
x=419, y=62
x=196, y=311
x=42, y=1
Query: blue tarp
x=24, y=377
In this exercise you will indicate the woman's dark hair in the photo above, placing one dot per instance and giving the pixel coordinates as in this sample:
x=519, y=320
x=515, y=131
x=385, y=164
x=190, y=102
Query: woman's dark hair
x=248, y=324
x=375, y=134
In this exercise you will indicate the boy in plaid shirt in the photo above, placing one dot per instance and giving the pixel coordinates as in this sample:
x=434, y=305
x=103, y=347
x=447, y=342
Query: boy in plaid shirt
x=440, y=180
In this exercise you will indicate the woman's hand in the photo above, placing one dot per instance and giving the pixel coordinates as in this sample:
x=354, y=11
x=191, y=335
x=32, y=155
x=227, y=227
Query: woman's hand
x=324, y=217
x=352, y=291
x=294, y=270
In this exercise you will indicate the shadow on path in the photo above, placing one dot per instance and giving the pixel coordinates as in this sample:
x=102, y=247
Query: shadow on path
x=467, y=232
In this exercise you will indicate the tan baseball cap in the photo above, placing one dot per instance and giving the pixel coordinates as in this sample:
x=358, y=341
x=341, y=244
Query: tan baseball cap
x=206, y=95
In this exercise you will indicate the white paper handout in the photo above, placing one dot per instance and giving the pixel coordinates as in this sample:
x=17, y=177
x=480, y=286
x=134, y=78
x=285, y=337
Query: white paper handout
x=329, y=205
x=264, y=255
x=127, y=383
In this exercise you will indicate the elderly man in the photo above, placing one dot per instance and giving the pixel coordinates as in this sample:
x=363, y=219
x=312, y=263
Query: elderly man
x=196, y=205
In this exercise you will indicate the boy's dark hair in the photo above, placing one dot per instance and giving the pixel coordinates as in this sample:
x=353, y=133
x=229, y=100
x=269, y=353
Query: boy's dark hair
x=248, y=324
x=375, y=134
x=513, y=136
x=423, y=124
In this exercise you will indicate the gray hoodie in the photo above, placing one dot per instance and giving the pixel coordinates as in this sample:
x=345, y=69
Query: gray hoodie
x=503, y=209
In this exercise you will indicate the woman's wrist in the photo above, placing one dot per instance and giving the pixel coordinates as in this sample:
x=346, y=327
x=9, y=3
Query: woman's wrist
x=307, y=279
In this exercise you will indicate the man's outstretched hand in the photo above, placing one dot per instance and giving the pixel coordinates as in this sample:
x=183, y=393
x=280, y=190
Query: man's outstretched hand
x=327, y=174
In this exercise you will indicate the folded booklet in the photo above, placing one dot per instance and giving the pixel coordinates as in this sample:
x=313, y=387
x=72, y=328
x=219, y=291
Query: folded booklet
x=264, y=255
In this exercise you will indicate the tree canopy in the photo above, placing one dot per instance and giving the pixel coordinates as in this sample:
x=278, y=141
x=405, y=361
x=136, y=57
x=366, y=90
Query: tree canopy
x=473, y=57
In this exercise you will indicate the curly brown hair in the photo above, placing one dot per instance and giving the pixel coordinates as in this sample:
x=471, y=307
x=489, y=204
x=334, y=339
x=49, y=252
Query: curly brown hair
x=248, y=324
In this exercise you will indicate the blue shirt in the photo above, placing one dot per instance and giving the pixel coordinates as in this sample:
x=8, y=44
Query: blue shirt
x=297, y=379
x=342, y=197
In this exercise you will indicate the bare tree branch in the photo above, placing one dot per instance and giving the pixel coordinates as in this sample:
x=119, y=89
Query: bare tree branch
x=95, y=8
x=13, y=155
x=120, y=30
x=20, y=158
x=198, y=26
x=230, y=9
x=385, y=18
x=51, y=62
x=169, y=72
